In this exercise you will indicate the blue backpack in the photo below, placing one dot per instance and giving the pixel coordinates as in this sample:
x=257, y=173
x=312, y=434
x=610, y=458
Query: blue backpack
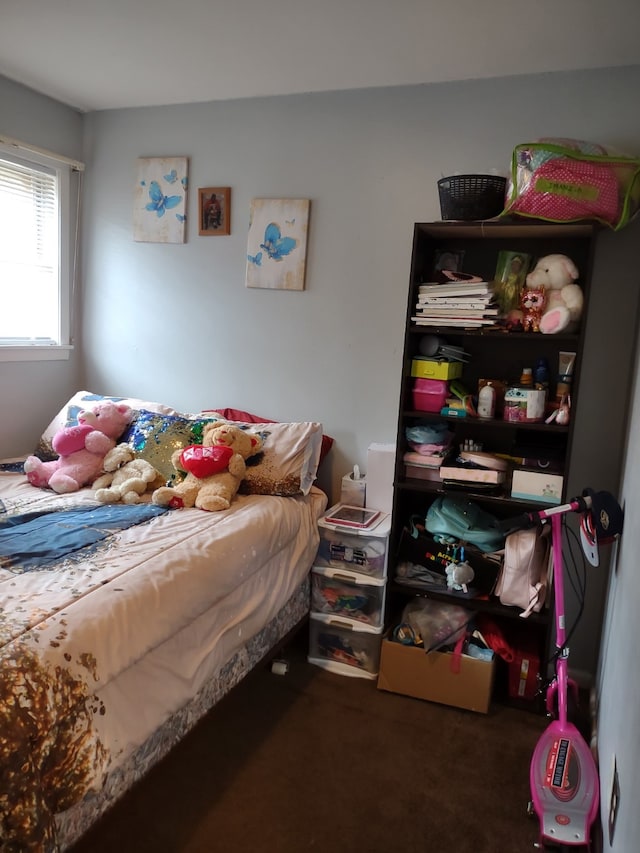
x=454, y=521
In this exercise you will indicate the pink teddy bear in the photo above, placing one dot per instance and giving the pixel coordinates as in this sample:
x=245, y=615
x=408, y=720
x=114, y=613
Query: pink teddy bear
x=81, y=449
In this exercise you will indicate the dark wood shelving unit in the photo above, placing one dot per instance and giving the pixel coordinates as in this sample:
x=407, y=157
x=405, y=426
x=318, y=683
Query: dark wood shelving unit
x=493, y=353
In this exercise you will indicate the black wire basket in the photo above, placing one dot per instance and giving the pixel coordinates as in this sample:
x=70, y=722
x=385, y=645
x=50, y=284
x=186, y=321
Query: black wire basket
x=472, y=196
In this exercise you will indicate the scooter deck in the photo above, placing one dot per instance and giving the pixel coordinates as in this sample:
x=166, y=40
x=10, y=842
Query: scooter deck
x=564, y=785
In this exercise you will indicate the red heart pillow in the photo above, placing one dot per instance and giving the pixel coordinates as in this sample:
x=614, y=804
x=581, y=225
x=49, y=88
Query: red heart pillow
x=205, y=461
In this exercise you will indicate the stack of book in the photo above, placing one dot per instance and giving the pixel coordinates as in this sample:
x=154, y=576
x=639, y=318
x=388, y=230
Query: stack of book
x=424, y=466
x=474, y=468
x=459, y=304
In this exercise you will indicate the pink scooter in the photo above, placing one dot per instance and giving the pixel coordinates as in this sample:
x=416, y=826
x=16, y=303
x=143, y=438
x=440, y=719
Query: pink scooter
x=563, y=775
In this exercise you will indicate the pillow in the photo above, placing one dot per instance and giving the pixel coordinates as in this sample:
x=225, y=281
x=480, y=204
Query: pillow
x=154, y=437
x=247, y=417
x=286, y=465
x=68, y=416
x=289, y=459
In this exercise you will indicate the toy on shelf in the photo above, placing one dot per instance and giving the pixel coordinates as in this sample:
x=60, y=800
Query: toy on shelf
x=564, y=300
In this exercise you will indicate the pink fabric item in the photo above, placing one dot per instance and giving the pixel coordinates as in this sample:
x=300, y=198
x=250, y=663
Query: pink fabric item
x=565, y=189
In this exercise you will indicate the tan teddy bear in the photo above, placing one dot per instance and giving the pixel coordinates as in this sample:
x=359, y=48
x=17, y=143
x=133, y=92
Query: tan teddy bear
x=126, y=478
x=214, y=469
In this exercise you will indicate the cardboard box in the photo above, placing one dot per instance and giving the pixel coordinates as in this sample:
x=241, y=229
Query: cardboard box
x=412, y=672
x=536, y=486
x=426, y=368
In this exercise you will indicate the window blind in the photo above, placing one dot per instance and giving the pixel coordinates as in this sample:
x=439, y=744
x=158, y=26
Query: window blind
x=29, y=253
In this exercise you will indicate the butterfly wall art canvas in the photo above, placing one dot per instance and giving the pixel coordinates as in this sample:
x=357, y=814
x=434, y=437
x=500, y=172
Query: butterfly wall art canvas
x=277, y=244
x=160, y=200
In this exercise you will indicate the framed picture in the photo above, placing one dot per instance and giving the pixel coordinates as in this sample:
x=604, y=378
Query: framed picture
x=277, y=244
x=160, y=197
x=510, y=276
x=448, y=260
x=214, y=211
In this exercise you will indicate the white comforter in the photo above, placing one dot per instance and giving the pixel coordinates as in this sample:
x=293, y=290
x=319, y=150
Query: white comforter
x=150, y=610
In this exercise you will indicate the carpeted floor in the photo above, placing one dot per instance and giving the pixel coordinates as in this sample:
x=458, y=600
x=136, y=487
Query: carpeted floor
x=315, y=761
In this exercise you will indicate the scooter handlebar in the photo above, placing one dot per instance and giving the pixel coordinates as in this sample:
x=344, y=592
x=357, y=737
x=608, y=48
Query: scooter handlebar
x=518, y=522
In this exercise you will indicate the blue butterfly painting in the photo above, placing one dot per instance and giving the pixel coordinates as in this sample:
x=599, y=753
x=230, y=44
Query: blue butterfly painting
x=180, y=217
x=255, y=259
x=172, y=177
x=159, y=201
x=275, y=245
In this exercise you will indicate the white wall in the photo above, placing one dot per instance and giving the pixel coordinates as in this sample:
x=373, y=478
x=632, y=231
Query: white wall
x=618, y=686
x=27, y=389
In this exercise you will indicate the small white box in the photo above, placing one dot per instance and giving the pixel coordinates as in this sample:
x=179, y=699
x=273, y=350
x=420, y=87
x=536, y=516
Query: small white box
x=363, y=551
x=536, y=486
x=381, y=463
x=343, y=646
x=348, y=594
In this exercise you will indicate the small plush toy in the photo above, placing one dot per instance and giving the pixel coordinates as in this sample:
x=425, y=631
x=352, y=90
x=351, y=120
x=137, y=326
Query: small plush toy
x=81, y=449
x=532, y=302
x=214, y=469
x=564, y=299
x=126, y=478
x=459, y=575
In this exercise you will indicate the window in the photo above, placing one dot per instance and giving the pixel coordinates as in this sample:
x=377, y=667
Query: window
x=36, y=272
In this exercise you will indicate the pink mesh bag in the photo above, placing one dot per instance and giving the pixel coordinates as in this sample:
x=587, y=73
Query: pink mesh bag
x=565, y=180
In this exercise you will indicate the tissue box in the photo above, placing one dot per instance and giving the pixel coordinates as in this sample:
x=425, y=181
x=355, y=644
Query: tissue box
x=353, y=491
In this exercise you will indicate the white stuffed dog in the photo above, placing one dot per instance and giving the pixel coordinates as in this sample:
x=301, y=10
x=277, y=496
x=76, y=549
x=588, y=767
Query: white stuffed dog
x=564, y=299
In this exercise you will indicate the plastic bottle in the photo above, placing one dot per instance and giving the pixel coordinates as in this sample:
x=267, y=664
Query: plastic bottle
x=487, y=402
x=526, y=377
x=541, y=373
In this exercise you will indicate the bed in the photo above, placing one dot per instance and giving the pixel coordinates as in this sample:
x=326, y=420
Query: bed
x=120, y=626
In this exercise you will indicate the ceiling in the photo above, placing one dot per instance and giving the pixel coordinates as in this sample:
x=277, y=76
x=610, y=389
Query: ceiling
x=105, y=54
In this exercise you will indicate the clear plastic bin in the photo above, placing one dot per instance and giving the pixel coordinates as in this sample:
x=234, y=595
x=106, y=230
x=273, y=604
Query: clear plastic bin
x=348, y=594
x=362, y=551
x=343, y=646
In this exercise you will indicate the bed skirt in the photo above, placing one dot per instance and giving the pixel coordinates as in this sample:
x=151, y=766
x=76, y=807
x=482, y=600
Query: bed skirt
x=77, y=820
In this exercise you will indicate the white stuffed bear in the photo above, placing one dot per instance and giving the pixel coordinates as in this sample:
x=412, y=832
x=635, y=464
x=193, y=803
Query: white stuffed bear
x=126, y=478
x=564, y=298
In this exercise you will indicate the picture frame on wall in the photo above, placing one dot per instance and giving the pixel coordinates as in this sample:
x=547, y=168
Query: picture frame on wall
x=160, y=199
x=214, y=211
x=277, y=243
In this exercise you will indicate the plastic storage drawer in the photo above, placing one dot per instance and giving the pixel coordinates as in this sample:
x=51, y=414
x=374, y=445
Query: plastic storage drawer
x=362, y=551
x=344, y=646
x=340, y=593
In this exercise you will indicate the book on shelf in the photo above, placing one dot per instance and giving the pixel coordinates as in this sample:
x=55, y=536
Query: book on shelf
x=455, y=289
x=454, y=302
x=471, y=475
x=425, y=460
x=462, y=311
x=465, y=322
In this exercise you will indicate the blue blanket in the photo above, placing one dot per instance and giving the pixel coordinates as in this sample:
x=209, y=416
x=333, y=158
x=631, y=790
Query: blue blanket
x=38, y=540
